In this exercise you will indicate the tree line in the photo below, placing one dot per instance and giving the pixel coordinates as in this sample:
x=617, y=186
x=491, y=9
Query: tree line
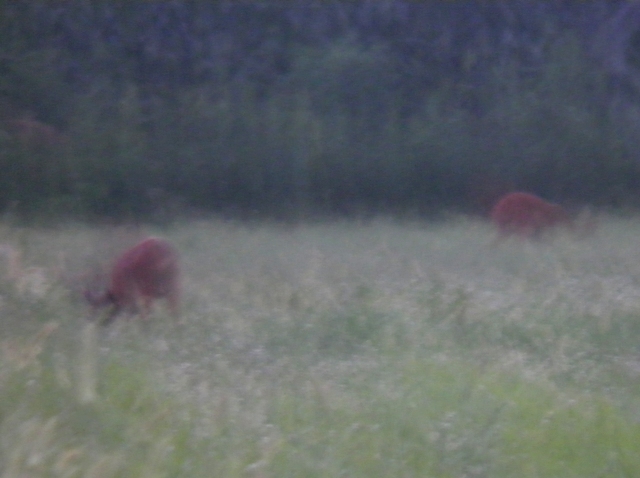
x=295, y=109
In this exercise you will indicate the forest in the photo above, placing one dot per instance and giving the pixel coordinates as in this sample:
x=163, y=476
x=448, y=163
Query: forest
x=303, y=109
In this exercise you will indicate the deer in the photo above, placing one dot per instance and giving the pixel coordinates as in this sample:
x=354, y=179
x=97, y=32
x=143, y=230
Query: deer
x=32, y=133
x=147, y=271
x=527, y=215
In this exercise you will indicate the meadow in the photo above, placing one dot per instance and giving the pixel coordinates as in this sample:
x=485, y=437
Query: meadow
x=372, y=348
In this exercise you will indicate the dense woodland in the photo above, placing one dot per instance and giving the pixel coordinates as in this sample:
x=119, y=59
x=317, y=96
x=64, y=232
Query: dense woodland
x=302, y=108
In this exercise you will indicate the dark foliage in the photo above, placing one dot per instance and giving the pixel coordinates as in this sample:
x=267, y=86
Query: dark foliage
x=312, y=107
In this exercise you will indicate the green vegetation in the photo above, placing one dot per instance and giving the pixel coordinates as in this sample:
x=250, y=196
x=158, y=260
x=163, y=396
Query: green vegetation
x=378, y=349
x=314, y=347
x=264, y=119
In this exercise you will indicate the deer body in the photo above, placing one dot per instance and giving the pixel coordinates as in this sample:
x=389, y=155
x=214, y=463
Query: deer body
x=527, y=215
x=147, y=271
x=33, y=133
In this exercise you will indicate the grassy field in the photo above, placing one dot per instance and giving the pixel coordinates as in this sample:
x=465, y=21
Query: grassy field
x=371, y=349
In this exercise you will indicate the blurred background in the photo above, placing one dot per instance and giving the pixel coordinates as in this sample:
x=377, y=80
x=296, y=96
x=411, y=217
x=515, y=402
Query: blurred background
x=310, y=109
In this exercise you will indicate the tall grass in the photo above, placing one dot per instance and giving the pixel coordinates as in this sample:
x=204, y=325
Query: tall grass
x=371, y=349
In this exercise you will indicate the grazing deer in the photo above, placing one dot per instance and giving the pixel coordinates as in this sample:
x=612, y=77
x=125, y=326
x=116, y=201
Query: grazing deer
x=527, y=215
x=147, y=271
x=35, y=134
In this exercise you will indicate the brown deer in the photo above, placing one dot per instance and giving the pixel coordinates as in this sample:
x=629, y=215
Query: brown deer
x=527, y=215
x=35, y=134
x=147, y=271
